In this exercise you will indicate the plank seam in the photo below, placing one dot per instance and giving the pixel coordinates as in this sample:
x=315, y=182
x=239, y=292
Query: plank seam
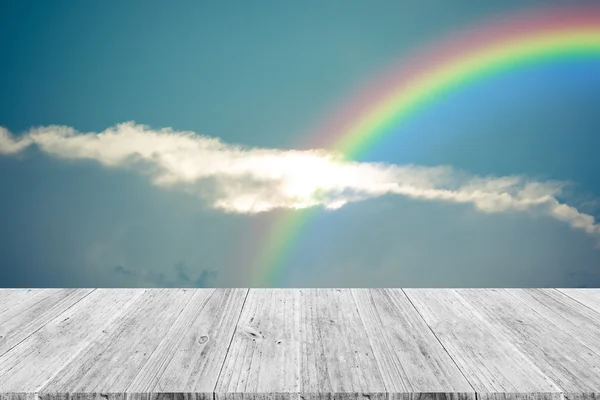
x=58, y=306
x=368, y=338
x=166, y=362
x=573, y=298
x=253, y=358
x=34, y=332
x=37, y=390
x=237, y=323
x=91, y=343
x=29, y=294
x=26, y=309
x=378, y=363
x=440, y=342
x=552, y=323
x=485, y=319
x=51, y=292
x=110, y=329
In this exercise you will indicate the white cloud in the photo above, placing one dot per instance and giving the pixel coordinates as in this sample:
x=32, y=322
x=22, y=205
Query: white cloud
x=252, y=180
x=9, y=145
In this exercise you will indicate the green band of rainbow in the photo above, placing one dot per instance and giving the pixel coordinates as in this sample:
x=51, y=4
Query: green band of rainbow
x=510, y=44
x=434, y=84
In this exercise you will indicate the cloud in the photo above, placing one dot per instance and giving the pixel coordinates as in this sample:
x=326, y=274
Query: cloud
x=205, y=277
x=182, y=273
x=239, y=179
x=120, y=270
x=160, y=279
x=9, y=145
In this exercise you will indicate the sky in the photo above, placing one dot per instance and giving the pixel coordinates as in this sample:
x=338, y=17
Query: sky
x=146, y=144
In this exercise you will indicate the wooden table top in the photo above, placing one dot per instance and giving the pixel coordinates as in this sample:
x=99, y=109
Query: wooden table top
x=300, y=343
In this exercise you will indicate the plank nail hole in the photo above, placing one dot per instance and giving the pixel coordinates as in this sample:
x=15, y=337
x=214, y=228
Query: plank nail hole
x=249, y=331
x=203, y=339
x=278, y=341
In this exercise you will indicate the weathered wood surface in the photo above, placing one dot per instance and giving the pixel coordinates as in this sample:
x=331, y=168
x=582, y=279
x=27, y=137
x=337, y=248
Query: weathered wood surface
x=300, y=344
x=486, y=356
x=300, y=341
x=563, y=358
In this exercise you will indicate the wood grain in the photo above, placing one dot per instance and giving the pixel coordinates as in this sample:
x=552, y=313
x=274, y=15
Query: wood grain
x=563, y=311
x=572, y=365
x=411, y=358
x=31, y=364
x=588, y=297
x=33, y=312
x=264, y=355
x=300, y=344
x=111, y=362
x=489, y=360
x=9, y=298
x=190, y=357
x=306, y=342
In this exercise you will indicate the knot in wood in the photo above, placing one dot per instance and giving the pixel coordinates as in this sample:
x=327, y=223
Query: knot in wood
x=203, y=339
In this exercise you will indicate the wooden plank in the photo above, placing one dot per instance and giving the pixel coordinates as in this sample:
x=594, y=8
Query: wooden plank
x=579, y=322
x=588, y=297
x=32, y=363
x=489, y=360
x=302, y=342
x=33, y=312
x=23, y=302
x=573, y=366
x=265, y=352
x=111, y=362
x=9, y=298
x=411, y=358
x=190, y=357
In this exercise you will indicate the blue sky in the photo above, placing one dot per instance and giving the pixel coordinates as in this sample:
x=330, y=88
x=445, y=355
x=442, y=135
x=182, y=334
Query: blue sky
x=262, y=74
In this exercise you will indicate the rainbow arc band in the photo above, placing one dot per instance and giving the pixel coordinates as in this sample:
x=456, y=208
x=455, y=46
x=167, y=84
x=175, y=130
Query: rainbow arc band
x=528, y=39
x=430, y=87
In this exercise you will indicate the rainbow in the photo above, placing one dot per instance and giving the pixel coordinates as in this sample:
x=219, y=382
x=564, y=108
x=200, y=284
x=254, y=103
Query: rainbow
x=499, y=46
